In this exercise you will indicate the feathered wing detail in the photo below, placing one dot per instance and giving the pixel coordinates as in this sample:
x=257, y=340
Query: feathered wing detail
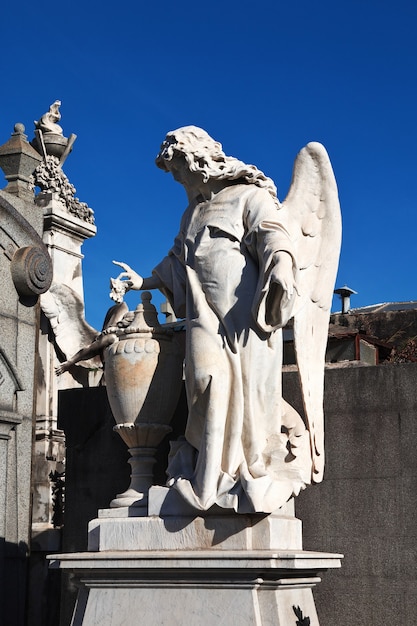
x=65, y=312
x=313, y=213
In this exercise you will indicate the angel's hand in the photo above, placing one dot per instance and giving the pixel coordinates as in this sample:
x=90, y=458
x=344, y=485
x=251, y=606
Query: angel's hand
x=282, y=273
x=134, y=280
x=63, y=367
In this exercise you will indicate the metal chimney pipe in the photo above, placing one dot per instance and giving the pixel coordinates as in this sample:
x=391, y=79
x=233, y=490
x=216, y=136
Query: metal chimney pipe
x=345, y=292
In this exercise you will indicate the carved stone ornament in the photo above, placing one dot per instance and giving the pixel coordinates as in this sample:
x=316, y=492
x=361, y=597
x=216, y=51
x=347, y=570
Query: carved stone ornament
x=48, y=121
x=143, y=381
x=49, y=135
x=50, y=177
x=31, y=270
x=242, y=265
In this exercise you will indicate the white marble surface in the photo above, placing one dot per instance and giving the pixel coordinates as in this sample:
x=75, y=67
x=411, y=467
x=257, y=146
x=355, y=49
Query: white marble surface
x=238, y=532
x=232, y=588
x=168, y=502
x=241, y=266
x=203, y=559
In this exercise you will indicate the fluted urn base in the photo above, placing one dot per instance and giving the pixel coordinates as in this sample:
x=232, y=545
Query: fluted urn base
x=142, y=441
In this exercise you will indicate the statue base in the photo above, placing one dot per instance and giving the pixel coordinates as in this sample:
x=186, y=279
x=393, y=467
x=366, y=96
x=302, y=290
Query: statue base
x=205, y=587
x=194, y=567
x=170, y=524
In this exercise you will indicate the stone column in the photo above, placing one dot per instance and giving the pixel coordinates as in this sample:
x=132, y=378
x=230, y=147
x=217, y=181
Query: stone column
x=64, y=234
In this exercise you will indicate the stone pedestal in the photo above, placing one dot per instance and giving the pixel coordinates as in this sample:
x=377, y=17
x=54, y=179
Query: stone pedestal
x=162, y=568
x=202, y=588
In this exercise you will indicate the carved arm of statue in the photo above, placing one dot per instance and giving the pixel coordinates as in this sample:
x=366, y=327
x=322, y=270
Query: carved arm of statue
x=134, y=281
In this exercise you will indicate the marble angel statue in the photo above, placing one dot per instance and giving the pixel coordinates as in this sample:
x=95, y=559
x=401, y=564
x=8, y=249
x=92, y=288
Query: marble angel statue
x=241, y=266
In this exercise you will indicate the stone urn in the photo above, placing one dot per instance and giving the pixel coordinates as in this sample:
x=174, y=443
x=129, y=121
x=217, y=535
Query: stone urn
x=143, y=378
x=54, y=143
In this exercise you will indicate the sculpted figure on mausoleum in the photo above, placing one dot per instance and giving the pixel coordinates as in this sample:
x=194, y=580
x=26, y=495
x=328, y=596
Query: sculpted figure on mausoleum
x=242, y=265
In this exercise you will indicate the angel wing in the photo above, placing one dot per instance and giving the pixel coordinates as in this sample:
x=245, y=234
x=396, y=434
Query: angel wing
x=312, y=212
x=65, y=311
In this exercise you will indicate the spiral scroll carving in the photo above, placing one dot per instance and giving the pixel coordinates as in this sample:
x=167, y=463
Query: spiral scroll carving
x=31, y=269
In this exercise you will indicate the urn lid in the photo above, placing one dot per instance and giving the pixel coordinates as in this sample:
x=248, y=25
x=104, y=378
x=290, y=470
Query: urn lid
x=145, y=318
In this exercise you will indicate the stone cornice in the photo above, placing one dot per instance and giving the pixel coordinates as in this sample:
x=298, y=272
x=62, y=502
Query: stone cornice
x=56, y=218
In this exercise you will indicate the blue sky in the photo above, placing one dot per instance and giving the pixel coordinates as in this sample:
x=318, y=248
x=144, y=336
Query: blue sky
x=263, y=78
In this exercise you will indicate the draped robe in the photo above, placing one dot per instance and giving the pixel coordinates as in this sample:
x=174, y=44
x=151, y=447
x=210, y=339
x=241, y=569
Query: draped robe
x=217, y=275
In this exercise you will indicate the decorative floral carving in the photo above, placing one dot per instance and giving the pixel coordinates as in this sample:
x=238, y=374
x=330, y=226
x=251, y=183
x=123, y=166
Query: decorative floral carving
x=50, y=177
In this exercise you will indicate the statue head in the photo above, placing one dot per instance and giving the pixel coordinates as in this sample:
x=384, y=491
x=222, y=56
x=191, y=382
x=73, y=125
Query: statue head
x=205, y=155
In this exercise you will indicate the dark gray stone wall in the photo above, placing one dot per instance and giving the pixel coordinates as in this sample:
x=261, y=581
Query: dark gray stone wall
x=19, y=312
x=366, y=506
x=96, y=461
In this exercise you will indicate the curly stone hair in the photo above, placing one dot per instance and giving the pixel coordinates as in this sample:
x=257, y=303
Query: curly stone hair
x=204, y=154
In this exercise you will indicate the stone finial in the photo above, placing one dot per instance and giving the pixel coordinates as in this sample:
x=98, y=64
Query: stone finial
x=49, y=141
x=49, y=137
x=18, y=160
x=48, y=122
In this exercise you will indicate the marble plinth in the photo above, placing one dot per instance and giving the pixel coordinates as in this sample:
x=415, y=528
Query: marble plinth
x=206, y=587
x=157, y=568
x=157, y=528
x=184, y=533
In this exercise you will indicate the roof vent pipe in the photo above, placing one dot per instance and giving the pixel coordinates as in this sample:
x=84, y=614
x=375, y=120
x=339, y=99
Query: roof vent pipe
x=345, y=292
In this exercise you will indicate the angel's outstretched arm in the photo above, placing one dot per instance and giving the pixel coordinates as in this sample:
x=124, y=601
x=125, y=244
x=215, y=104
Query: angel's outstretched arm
x=133, y=281
x=88, y=352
